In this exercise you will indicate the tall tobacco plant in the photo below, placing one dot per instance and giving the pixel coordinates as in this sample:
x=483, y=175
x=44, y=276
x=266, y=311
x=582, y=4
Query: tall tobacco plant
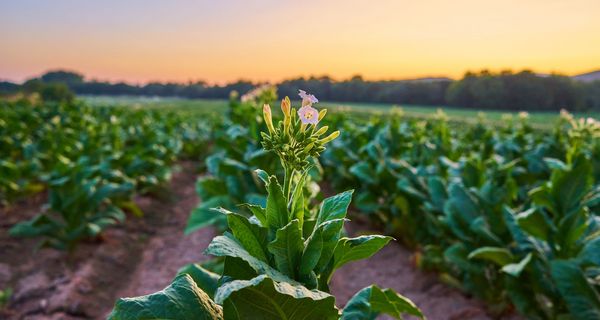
x=279, y=259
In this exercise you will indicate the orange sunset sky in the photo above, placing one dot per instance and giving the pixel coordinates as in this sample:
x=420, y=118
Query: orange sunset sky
x=219, y=41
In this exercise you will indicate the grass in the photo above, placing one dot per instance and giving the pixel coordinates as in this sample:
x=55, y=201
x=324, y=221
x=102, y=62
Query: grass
x=416, y=111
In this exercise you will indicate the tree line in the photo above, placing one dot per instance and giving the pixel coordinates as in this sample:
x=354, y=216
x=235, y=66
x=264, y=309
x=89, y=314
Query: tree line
x=482, y=90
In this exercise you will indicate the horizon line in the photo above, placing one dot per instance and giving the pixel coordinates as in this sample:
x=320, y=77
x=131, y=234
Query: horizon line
x=283, y=79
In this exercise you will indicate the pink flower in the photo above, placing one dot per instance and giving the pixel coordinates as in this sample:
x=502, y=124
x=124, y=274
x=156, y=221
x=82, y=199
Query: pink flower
x=308, y=115
x=307, y=99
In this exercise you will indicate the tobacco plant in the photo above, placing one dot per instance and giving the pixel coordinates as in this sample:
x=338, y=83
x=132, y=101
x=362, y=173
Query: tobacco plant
x=506, y=213
x=280, y=258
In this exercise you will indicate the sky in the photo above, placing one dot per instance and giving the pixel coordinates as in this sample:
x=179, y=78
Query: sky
x=267, y=40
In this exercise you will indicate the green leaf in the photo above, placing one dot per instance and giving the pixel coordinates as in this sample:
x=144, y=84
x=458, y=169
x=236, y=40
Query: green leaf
x=204, y=279
x=39, y=225
x=515, y=269
x=363, y=171
x=590, y=254
x=277, y=212
x=252, y=237
x=319, y=247
x=263, y=175
x=259, y=212
x=582, y=300
x=499, y=256
x=535, y=223
x=555, y=164
x=352, y=249
x=265, y=299
x=204, y=216
x=335, y=207
x=371, y=301
x=181, y=300
x=226, y=246
x=297, y=205
x=287, y=248
x=569, y=187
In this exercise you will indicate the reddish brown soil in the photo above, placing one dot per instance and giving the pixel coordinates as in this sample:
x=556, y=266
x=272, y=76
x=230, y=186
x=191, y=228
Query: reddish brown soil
x=144, y=254
x=393, y=267
x=138, y=257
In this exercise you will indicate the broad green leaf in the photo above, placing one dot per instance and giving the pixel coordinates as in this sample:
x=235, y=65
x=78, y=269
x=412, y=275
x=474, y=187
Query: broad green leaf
x=437, y=192
x=252, y=237
x=515, y=269
x=569, y=187
x=371, y=301
x=499, y=256
x=352, y=249
x=581, y=298
x=181, y=300
x=277, y=212
x=265, y=299
x=204, y=279
x=590, y=254
x=319, y=246
x=287, y=248
x=226, y=246
x=535, y=223
x=334, y=207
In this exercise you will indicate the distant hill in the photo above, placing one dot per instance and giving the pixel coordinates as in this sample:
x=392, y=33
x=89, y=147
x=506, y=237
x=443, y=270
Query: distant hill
x=429, y=79
x=588, y=77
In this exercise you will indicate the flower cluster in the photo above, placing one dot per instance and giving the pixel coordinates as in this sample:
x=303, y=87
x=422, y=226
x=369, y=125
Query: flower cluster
x=297, y=137
x=265, y=92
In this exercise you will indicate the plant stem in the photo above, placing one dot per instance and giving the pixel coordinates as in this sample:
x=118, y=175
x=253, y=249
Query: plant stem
x=287, y=184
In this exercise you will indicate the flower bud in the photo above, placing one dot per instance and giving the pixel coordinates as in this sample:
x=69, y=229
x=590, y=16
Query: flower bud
x=286, y=106
x=268, y=118
x=308, y=147
x=330, y=137
x=322, y=114
x=321, y=131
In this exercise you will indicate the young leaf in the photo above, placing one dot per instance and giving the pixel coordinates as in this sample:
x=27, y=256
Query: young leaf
x=352, y=249
x=371, y=301
x=252, y=237
x=181, y=300
x=265, y=299
x=287, y=248
x=297, y=205
x=534, y=222
x=277, y=212
x=263, y=175
x=515, y=269
x=259, y=212
x=499, y=256
x=334, y=207
x=320, y=246
x=226, y=246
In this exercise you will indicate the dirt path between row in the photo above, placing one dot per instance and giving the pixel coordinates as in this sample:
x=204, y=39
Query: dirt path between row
x=143, y=255
x=138, y=257
x=393, y=267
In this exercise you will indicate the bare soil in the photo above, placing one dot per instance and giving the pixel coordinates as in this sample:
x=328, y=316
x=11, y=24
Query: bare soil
x=393, y=267
x=138, y=257
x=142, y=256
